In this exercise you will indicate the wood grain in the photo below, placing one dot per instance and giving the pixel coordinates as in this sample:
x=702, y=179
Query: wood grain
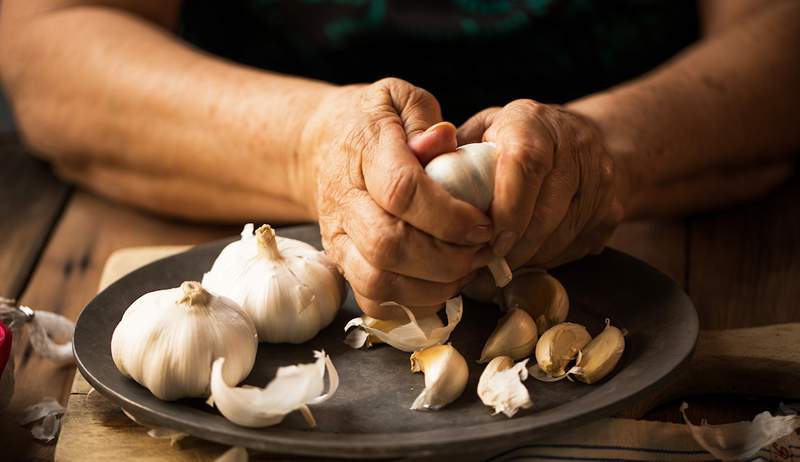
x=662, y=244
x=744, y=263
x=67, y=277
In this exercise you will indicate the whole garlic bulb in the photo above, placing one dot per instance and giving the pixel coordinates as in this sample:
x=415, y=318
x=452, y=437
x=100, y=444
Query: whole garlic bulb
x=168, y=339
x=468, y=174
x=290, y=289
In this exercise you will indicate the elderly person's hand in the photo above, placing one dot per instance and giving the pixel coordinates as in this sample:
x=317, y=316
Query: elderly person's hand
x=557, y=191
x=395, y=234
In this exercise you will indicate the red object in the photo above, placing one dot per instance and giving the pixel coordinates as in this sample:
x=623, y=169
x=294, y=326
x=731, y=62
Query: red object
x=5, y=346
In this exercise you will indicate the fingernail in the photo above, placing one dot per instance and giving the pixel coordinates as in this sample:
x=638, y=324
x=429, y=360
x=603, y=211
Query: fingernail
x=437, y=125
x=479, y=235
x=502, y=245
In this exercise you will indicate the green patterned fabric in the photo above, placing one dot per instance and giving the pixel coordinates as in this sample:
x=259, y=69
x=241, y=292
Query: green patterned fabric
x=470, y=53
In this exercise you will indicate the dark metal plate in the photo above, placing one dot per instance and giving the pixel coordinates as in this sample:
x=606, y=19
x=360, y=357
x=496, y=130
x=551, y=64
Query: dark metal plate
x=369, y=416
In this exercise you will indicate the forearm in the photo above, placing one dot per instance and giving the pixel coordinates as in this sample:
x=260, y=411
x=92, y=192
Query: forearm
x=726, y=104
x=119, y=104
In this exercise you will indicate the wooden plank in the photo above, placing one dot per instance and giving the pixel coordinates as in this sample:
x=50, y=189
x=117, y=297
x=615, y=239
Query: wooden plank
x=744, y=264
x=67, y=278
x=31, y=200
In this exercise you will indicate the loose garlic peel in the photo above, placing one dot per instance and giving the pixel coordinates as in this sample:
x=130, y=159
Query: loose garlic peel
x=556, y=348
x=599, y=356
x=446, y=375
x=501, y=387
x=293, y=388
x=410, y=336
x=289, y=288
x=514, y=336
x=540, y=294
x=468, y=174
x=167, y=340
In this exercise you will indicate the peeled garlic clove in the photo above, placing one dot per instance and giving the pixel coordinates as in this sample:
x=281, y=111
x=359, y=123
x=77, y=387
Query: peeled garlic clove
x=558, y=346
x=600, y=355
x=501, y=387
x=293, y=388
x=514, y=336
x=411, y=335
x=540, y=294
x=446, y=375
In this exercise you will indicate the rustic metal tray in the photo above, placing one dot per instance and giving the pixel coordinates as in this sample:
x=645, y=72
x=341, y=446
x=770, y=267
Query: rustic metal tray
x=369, y=416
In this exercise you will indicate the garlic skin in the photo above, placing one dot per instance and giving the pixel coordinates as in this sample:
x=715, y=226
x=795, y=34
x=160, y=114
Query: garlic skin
x=558, y=346
x=289, y=288
x=540, y=294
x=514, y=336
x=293, y=388
x=600, y=355
x=167, y=340
x=412, y=335
x=468, y=174
x=446, y=375
x=501, y=387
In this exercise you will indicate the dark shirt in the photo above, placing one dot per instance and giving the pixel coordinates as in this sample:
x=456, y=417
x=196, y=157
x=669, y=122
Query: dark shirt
x=471, y=54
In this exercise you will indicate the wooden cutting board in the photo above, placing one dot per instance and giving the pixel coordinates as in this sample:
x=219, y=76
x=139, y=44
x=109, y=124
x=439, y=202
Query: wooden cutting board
x=756, y=361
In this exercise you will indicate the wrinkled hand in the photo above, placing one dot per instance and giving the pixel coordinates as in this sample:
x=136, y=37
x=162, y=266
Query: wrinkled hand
x=394, y=233
x=557, y=191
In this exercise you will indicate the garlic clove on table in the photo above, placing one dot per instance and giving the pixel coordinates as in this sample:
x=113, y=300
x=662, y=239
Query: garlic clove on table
x=556, y=348
x=514, y=336
x=167, y=340
x=446, y=374
x=289, y=288
x=540, y=294
x=293, y=388
x=412, y=335
x=501, y=387
x=600, y=355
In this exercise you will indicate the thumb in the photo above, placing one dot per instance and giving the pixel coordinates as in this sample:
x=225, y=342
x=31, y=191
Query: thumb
x=437, y=139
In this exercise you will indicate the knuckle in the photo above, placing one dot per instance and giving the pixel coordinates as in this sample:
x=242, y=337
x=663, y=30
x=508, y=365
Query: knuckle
x=400, y=191
x=386, y=245
x=525, y=104
x=531, y=157
x=378, y=284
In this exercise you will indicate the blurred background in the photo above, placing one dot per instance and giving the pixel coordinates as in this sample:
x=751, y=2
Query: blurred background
x=6, y=123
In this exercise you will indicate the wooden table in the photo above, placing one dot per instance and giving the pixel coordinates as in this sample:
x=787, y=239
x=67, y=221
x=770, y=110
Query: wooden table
x=741, y=267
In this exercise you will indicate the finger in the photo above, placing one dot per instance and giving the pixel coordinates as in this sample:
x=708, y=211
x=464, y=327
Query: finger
x=525, y=150
x=473, y=129
x=386, y=286
x=378, y=310
x=390, y=244
x=438, y=139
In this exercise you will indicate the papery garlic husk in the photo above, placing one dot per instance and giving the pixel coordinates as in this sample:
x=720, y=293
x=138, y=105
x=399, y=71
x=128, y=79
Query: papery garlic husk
x=501, y=387
x=446, y=375
x=412, y=335
x=600, y=355
x=556, y=348
x=167, y=340
x=468, y=174
x=289, y=288
x=293, y=388
x=540, y=294
x=514, y=336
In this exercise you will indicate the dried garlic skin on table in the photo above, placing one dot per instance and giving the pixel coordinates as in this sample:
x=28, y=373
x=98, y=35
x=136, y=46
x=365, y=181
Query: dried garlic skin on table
x=446, y=374
x=540, y=295
x=558, y=346
x=501, y=387
x=514, y=336
x=600, y=355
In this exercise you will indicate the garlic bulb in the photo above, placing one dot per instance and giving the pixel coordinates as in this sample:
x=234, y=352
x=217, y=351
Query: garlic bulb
x=540, y=294
x=501, y=387
x=412, y=335
x=167, y=340
x=556, y=348
x=446, y=375
x=468, y=174
x=600, y=355
x=514, y=336
x=289, y=288
x=293, y=388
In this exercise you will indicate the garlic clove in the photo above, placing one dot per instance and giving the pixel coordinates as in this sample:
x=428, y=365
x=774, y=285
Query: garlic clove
x=514, y=336
x=557, y=347
x=540, y=294
x=501, y=387
x=411, y=335
x=600, y=355
x=446, y=375
x=293, y=388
